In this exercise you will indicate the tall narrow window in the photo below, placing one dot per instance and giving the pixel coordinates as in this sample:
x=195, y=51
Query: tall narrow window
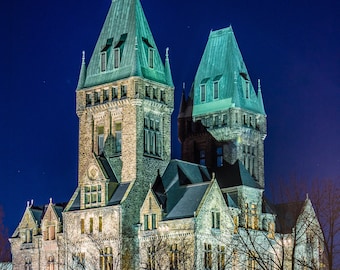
x=151, y=258
x=28, y=264
x=116, y=57
x=152, y=137
x=82, y=226
x=203, y=86
x=173, y=257
x=221, y=257
x=114, y=93
x=100, y=224
x=88, y=99
x=247, y=89
x=216, y=220
x=216, y=89
x=219, y=156
x=118, y=137
x=100, y=140
x=96, y=96
x=146, y=222
x=154, y=221
x=123, y=90
x=207, y=257
x=103, y=61
x=151, y=57
x=93, y=196
x=105, y=95
x=50, y=263
x=106, y=259
x=234, y=260
x=202, y=157
x=91, y=225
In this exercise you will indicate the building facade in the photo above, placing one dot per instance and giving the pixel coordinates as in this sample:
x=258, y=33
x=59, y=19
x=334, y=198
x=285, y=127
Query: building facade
x=134, y=207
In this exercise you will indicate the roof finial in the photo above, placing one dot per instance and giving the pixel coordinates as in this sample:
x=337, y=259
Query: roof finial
x=183, y=86
x=307, y=196
x=259, y=85
x=213, y=176
x=50, y=200
x=83, y=57
x=167, y=53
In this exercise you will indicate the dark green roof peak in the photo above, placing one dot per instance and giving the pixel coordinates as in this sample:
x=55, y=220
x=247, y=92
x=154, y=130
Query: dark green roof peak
x=125, y=48
x=223, y=78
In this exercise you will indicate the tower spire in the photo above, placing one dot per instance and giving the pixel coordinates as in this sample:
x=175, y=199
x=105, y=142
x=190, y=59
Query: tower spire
x=82, y=74
x=167, y=69
x=259, y=97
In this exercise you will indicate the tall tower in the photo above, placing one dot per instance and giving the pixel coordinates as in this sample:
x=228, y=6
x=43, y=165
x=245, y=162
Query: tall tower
x=223, y=118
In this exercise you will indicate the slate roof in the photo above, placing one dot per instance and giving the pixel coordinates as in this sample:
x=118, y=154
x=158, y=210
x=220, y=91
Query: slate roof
x=222, y=62
x=181, y=188
x=119, y=194
x=233, y=175
x=287, y=215
x=125, y=27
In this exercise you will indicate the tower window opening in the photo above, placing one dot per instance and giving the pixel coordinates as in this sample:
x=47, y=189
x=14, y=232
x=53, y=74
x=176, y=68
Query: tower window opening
x=123, y=89
x=96, y=97
x=118, y=137
x=88, y=100
x=106, y=259
x=216, y=220
x=162, y=96
x=105, y=95
x=207, y=256
x=152, y=137
x=114, y=93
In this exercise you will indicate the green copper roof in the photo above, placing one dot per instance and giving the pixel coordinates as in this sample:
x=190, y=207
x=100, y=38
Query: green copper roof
x=126, y=29
x=222, y=65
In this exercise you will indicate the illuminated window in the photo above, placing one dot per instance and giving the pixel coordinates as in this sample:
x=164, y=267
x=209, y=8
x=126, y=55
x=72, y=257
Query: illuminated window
x=78, y=260
x=91, y=225
x=216, y=220
x=254, y=218
x=106, y=259
x=103, y=61
x=93, y=196
x=203, y=94
x=221, y=257
x=100, y=224
x=82, y=226
x=235, y=260
x=207, y=257
x=252, y=261
x=50, y=263
x=116, y=57
x=235, y=224
x=173, y=257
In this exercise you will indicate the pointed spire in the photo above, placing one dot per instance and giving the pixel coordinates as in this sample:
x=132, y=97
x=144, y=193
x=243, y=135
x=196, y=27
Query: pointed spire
x=259, y=97
x=183, y=104
x=136, y=68
x=82, y=74
x=167, y=69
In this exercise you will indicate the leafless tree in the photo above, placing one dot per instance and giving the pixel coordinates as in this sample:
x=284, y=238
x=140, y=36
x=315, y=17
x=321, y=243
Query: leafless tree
x=5, y=252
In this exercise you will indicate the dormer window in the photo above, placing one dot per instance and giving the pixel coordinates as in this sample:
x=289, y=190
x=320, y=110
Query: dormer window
x=103, y=61
x=116, y=57
x=151, y=57
x=216, y=89
x=203, y=92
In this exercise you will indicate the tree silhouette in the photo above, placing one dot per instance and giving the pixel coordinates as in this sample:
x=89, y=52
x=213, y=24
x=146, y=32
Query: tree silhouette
x=5, y=253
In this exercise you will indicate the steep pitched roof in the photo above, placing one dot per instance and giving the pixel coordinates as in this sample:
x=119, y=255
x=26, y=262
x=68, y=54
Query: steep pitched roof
x=126, y=28
x=181, y=188
x=233, y=175
x=287, y=215
x=222, y=62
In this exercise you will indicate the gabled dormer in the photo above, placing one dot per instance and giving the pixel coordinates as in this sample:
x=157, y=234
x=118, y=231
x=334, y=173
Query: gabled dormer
x=151, y=212
x=51, y=223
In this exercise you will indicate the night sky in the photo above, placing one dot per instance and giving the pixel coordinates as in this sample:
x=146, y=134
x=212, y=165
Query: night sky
x=292, y=46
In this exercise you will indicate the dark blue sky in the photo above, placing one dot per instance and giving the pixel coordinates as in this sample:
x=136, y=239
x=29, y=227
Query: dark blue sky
x=292, y=46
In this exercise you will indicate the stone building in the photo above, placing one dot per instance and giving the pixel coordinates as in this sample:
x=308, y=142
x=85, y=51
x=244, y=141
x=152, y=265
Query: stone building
x=134, y=207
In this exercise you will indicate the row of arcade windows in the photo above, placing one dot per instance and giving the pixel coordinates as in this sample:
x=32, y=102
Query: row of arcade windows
x=91, y=224
x=251, y=218
x=215, y=91
x=106, y=95
x=106, y=259
x=49, y=233
x=174, y=257
x=152, y=137
x=154, y=93
x=249, y=158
